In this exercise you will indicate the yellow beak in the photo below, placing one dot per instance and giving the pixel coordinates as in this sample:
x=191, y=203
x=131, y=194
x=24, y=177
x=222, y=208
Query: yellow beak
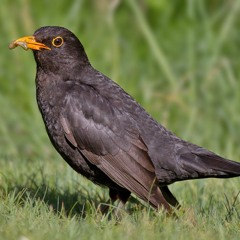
x=28, y=42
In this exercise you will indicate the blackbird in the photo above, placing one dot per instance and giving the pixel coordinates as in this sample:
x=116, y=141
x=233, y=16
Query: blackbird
x=104, y=134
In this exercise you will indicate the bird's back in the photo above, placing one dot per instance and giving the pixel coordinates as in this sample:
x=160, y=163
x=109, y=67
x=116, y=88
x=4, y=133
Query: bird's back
x=173, y=158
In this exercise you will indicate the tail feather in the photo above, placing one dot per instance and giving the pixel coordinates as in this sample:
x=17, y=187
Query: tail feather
x=201, y=163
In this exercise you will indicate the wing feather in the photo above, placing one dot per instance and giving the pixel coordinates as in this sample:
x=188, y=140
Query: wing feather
x=110, y=140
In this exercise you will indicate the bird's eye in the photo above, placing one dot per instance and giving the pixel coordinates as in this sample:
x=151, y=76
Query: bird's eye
x=57, y=41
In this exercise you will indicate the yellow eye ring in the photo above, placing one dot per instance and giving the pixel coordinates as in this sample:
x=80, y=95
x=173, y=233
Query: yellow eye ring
x=57, y=41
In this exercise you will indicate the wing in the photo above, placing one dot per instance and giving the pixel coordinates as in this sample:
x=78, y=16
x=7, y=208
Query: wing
x=109, y=138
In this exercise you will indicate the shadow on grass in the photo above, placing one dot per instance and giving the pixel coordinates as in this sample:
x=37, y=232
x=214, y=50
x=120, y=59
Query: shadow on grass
x=80, y=199
x=57, y=200
x=71, y=200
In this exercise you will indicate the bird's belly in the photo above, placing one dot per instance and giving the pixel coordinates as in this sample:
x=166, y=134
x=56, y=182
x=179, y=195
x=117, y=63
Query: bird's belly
x=69, y=153
x=51, y=119
x=74, y=157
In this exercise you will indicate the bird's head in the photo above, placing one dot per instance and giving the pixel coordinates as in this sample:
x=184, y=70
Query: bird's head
x=54, y=48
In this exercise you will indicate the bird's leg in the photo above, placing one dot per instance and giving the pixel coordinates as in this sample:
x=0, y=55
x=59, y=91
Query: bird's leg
x=114, y=195
x=123, y=197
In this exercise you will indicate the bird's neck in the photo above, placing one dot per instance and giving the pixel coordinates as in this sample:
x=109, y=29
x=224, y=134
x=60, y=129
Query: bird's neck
x=47, y=85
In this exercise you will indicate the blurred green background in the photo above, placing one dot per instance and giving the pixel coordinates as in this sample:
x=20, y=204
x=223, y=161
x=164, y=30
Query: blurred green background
x=179, y=59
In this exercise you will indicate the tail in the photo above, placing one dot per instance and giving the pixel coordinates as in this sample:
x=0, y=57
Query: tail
x=201, y=163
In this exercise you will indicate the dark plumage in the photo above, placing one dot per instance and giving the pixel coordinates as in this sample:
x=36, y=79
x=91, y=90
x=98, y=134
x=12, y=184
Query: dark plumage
x=103, y=133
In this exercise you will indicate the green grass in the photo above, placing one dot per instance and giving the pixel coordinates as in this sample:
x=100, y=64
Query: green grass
x=179, y=59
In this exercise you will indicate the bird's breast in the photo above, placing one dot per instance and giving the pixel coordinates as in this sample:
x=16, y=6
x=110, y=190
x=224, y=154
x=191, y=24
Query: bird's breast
x=50, y=107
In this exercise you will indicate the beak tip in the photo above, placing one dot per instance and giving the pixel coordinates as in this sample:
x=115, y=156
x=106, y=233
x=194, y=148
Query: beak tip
x=12, y=45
